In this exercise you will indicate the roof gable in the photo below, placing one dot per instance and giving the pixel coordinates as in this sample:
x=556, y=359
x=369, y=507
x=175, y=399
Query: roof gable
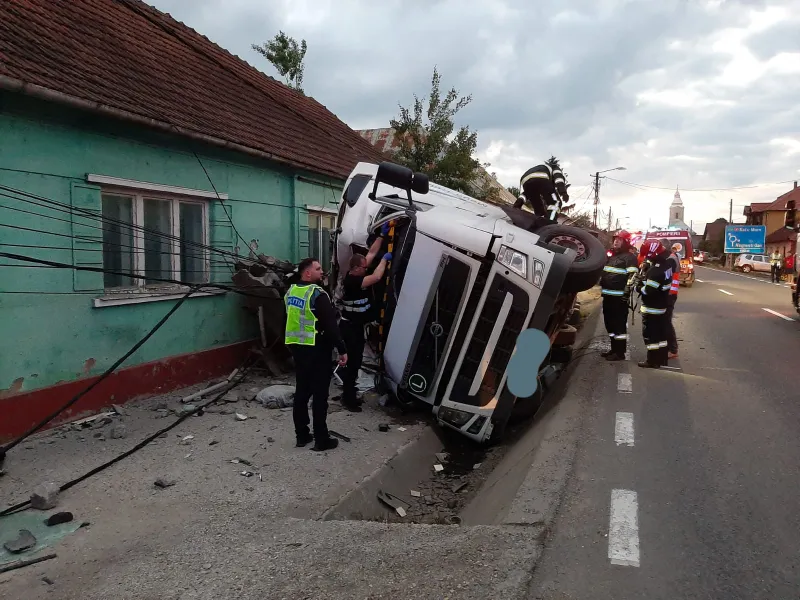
x=127, y=55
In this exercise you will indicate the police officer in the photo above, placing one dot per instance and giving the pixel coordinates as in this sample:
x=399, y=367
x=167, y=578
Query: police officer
x=655, y=299
x=312, y=333
x=618, y=274
x=357, y=310
x=537, y=186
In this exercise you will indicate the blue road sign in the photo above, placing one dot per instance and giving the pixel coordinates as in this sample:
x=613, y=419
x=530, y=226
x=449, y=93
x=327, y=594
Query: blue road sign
x=740, y=239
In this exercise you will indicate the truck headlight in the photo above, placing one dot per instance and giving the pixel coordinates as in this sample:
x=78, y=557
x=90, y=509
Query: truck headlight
x=456, y=417
x=514, y=260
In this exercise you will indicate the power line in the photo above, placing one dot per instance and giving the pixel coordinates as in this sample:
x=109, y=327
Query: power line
x=742, y=187
x=221, y=203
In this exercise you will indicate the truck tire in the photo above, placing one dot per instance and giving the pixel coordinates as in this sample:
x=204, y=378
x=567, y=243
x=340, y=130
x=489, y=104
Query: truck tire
x=585, y=271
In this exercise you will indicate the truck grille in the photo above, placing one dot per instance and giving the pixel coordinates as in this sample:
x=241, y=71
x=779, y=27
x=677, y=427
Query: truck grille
x=438, y=326
x=515, y=322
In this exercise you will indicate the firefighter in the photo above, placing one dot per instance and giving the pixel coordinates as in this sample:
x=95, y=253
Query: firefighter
x=537, y=186
x=672, y=338
x=312, y=333
x=618, y=274
x=357, y=310
x=654, y=290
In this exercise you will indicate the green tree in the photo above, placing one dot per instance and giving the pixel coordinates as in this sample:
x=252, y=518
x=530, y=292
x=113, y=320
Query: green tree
x=287, y=56
x=581, y=219
x=514, y=190
x=427, y=143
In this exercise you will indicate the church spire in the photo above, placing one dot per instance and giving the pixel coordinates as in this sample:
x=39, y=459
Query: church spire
x=676, y=201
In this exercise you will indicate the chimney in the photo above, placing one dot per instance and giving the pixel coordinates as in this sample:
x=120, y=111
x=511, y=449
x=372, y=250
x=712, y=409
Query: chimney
x=795, y=185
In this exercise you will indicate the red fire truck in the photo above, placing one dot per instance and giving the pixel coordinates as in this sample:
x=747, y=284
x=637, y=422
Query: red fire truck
x=680, y=241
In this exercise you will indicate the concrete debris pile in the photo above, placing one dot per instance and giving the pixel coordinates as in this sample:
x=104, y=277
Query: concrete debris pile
x=276, y=396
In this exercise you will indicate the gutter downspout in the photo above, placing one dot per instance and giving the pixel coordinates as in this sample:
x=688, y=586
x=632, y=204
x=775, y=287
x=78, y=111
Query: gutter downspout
x=43, y=93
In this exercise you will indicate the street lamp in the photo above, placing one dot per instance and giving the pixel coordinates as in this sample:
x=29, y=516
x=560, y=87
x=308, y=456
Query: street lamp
x=597, y=190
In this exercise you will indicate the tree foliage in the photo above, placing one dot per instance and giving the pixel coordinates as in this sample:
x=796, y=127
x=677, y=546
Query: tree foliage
x=427, y=142
x=287, y=56
x=514, y=190
x=581, y=219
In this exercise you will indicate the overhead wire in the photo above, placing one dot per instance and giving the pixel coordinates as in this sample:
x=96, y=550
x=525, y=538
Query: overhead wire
x=729, y=189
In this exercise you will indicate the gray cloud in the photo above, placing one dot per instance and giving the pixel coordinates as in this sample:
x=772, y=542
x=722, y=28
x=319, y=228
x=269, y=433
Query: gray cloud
x=597, y=82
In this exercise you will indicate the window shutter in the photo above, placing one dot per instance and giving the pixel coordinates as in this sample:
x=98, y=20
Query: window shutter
x=302, y=244
x=87, y=238
x=222, y=238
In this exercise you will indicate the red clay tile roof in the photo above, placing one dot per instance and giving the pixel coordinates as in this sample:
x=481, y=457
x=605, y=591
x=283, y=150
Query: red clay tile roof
x=780, y=201
x=757, y=207
x=781, y=235
x=127, y=55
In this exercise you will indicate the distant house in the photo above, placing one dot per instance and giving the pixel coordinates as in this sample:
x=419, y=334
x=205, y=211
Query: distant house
x=773, y=216
x=384, y=140
x=714, y=235
x=112, y=113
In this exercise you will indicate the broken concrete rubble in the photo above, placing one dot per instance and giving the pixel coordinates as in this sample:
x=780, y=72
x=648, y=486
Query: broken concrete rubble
x=276, y=396
x=45, y=496
x=118, y=432
x=163, y=483
x=24, y=541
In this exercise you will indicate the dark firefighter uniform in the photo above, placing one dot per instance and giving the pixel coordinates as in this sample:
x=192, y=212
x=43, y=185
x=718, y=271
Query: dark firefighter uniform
x=655, y=300
x=537, y=186
x=615, y=282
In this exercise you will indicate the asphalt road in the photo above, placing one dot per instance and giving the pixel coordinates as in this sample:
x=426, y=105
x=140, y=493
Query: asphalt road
x=686, y=482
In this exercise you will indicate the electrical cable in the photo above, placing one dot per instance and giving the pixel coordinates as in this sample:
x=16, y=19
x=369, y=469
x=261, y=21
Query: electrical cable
x=4, y=450
x=198, y=409
x=743, y=187
x=60, y=265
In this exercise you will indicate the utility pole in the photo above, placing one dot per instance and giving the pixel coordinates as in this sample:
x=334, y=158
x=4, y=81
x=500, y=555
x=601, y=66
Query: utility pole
x=608, y=224
x=596, y=197
x=730, y=212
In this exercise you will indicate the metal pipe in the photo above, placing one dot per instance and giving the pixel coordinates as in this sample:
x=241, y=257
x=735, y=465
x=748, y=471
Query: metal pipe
x=43, y=93
x=210, y=389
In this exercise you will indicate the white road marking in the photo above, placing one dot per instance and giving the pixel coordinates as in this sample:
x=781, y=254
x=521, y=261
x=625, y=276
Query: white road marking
x=623, y=529
x=625, y=383
x=671, y=368
x=699, y=281
x=623, y=429
x=724, y=292
x=777, y=314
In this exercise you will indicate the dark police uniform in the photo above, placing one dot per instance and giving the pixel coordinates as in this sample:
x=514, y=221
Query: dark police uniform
x=655, y=301
x=617, y=276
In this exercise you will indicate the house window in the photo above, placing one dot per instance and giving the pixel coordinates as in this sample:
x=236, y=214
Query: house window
x=156, y=237
x=320, y=226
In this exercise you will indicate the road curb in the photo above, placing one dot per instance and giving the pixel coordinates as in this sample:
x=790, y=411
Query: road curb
x=526, y=487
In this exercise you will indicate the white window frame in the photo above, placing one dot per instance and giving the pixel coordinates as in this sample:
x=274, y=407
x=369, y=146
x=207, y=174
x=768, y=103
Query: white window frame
x=141, y=292
x=319, y=211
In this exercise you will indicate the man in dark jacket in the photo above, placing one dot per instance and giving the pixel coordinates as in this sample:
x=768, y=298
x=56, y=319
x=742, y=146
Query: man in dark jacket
x=312, y=333
x=618, y=275
x=655, y=300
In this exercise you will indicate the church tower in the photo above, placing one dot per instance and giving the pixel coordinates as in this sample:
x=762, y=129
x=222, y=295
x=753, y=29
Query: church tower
x=676, y=210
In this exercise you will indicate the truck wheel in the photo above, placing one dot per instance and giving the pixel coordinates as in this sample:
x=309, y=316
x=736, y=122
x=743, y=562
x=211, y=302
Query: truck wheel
x=587, y=267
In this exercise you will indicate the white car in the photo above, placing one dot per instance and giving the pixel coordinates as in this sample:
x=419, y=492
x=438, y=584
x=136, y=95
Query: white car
x=752, y=262
x=464, y=282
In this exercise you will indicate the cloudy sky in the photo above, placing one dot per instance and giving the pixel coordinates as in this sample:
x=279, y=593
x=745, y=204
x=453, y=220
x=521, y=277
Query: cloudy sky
x=703, y=94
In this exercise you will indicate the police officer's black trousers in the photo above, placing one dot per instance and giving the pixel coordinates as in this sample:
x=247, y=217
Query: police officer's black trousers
x=654, y=331
x=314, y=368
x=672, y=338
x=775, y=273
x=615, y=316
x=353, y=334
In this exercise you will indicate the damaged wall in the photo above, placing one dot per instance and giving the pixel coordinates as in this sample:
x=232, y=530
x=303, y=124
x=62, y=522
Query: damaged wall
x=52, y=332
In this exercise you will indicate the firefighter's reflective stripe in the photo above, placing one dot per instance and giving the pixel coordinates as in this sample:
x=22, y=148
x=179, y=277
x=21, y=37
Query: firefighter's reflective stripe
x=653, y=311
x=652, y=284
x=617, y=293
x=633, y=269
x=616, y=270
x=622, y=336
x=675, y=286
x=534, y=175
x=657, y=346
x=666, y=286
x=360, y=305
x=558, y=176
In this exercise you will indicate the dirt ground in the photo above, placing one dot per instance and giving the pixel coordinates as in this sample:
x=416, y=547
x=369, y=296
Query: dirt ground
x=217, y=533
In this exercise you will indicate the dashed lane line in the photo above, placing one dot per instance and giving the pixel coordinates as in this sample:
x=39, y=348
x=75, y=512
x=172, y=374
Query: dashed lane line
x=699, y=281
x=623, y=429
x=623, y=530
x=777, y=314
x=724, y=292
x=625, y=383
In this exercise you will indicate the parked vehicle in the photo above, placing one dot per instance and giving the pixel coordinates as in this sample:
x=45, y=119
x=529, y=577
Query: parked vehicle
x=701, y=256
x=752, y=262
x=465, y=279
x=682, y=241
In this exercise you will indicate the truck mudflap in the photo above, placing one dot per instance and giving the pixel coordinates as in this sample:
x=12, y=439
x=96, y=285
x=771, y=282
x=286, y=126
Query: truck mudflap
x=490, y=349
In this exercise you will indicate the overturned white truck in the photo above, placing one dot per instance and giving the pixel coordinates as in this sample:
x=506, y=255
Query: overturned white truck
x=465, y=279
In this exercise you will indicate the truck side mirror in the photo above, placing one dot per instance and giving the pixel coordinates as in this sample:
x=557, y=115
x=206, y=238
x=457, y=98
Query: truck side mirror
x=420, y=183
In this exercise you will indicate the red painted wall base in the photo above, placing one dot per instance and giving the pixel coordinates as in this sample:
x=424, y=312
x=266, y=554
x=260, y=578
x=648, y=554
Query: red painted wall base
x=20, y=412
